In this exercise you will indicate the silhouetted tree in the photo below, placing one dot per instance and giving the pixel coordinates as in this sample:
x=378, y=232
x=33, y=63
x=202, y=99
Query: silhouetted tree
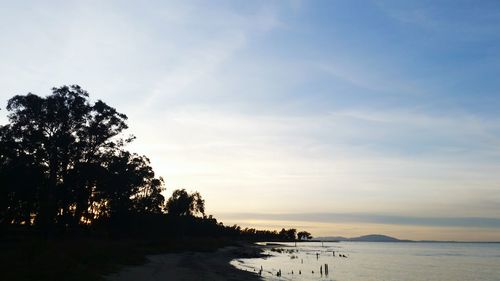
x=19, y=181
x=130, y=186
x=288, y=234
x=62, y=160
x=63, y=163
x=304, y=235
x=184, y=204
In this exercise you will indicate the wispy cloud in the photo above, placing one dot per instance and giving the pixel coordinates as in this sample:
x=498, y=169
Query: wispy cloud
x=368, y=77
x=275, y=107
x=351, y=158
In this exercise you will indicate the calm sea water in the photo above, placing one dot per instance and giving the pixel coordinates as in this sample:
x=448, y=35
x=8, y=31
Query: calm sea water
x=368, y=261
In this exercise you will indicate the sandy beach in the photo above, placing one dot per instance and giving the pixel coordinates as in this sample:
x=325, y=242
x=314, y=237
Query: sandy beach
x=191, y=266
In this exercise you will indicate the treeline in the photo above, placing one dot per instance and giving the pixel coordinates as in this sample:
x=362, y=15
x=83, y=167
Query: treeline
x=64, y=168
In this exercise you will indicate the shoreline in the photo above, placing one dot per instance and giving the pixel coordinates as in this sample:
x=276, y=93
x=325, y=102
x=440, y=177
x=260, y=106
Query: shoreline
x=192, y=266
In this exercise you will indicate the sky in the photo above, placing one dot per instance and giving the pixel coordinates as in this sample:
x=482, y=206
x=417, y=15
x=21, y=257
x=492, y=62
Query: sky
x=338, y=117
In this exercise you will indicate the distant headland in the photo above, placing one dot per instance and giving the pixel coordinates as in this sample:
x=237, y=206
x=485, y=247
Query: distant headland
x=364, y=238
x=384, y=238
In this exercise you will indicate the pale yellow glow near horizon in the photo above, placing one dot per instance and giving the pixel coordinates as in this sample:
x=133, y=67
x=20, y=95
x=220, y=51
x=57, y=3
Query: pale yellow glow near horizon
x=232, y=181
x=255, y=108
x=409, y=232
x=249, y=164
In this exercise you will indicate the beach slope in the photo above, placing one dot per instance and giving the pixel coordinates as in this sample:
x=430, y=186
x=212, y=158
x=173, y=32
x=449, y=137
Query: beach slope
x=191, y=266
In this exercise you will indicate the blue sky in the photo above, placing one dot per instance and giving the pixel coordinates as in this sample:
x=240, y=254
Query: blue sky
x=314, y=108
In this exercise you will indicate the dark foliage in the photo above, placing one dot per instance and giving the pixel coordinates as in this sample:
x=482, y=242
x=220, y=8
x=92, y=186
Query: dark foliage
x=304, y=235
x=184, y=204
x=63, y=163
x=64, y=168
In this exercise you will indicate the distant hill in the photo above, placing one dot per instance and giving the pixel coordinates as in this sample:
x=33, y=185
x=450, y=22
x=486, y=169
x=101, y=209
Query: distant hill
x=364, y=238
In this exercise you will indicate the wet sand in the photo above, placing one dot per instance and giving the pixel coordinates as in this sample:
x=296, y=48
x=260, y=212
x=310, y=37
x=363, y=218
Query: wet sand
x=190, y=266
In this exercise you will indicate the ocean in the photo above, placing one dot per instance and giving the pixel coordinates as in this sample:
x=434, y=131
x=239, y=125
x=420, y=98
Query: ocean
x=377, y=261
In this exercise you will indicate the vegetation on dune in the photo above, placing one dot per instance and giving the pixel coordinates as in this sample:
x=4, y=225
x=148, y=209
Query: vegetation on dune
x=184, y=204
x=304, y=235
x=63, y=163
x=71, y=194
